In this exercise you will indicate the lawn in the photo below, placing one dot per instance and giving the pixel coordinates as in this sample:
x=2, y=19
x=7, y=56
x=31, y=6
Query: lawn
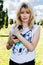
x=5, y=54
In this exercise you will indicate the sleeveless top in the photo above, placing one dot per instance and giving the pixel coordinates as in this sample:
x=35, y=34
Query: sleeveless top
x=20, y=54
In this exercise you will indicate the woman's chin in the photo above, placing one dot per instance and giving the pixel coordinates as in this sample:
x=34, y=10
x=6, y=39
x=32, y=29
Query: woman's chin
x=25, y=21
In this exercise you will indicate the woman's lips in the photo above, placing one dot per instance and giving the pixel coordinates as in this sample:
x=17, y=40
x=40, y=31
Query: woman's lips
x=24, y=18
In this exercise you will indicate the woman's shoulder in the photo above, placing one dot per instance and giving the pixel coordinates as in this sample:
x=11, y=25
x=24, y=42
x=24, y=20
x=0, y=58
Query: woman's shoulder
x=36, y=26
x=13, y=25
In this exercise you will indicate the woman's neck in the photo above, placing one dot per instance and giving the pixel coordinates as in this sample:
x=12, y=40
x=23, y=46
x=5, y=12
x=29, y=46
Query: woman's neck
x=25, y=25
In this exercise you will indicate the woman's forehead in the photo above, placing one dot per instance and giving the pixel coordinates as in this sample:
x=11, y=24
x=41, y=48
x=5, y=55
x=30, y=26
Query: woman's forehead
x=25, y=9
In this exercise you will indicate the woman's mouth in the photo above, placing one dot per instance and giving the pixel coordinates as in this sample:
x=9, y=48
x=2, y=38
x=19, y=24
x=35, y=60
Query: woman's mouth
x=24, y=18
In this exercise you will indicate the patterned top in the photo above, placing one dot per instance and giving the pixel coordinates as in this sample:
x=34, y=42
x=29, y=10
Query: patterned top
x=19, y=48
x=20, y=54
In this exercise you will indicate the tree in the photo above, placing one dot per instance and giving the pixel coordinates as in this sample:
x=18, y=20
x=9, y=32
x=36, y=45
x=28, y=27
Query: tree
x=34, y=22
x=37, y=23
x=11, y=21
x=6, y=18
x=1, y=5
x=41, y=22
x=2, y=14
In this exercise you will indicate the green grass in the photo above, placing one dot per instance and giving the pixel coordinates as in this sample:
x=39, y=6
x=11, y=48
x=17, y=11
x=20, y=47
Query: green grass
x=5, y=54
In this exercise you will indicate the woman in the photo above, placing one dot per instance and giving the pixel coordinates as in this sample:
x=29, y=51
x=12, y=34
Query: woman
x=23, y=46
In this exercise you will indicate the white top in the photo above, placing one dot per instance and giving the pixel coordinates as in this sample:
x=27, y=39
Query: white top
x=20, y=54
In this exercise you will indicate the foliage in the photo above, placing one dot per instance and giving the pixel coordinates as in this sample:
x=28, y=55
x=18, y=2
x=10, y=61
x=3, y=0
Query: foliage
x=3, y=16
x=41, y=22
x=6, y=19
x=37, y=23
x=11, y=21
x=34, y=22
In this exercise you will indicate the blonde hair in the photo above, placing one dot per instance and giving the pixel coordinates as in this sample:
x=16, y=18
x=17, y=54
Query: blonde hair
x=31, y=15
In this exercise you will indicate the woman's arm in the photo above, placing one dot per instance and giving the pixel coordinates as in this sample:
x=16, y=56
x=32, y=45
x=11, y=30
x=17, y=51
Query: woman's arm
x=31, y=46
x=11, y=41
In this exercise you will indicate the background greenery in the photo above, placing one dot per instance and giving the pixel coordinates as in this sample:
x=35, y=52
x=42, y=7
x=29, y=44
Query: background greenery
x=4, y=19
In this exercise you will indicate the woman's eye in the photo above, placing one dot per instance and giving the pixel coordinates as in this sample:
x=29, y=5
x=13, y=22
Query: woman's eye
x=22, y=12
x=27, y=12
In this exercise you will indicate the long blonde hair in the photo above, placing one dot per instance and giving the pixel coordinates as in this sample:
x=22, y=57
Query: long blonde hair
x=31, y=15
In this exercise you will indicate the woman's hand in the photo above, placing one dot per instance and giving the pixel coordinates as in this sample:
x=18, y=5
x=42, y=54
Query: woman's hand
x=13, y=41
x=10, y=42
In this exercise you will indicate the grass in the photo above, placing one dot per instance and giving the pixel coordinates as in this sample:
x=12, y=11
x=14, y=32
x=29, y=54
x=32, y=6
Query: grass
x=39, y=49
x=5, y=54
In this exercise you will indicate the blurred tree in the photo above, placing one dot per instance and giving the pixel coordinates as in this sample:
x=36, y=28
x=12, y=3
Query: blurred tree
x=1, y=5
x=11, y=21
x=34, y=22
x=2, y=14
x=37, y=23
x=41, y=22
x=6, y=18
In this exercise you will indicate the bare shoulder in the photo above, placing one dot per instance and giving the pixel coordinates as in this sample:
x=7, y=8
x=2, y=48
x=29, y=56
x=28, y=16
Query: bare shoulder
x=37, y=27
x=13, y=25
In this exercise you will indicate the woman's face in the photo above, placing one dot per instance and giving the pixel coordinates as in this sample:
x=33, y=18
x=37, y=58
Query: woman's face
x=25, y=14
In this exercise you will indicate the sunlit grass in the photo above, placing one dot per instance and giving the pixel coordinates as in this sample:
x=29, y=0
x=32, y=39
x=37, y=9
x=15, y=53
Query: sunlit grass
x=5, y=54
x=39, y=49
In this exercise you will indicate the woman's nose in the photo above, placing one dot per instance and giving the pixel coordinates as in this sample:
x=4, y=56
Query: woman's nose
x=24, y=14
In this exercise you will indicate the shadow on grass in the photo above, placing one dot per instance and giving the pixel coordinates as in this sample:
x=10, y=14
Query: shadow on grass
x=4, y=35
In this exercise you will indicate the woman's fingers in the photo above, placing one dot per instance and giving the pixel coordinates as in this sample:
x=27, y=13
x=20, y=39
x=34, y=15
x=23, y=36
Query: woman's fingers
x=11, y=40
x=15, y=40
